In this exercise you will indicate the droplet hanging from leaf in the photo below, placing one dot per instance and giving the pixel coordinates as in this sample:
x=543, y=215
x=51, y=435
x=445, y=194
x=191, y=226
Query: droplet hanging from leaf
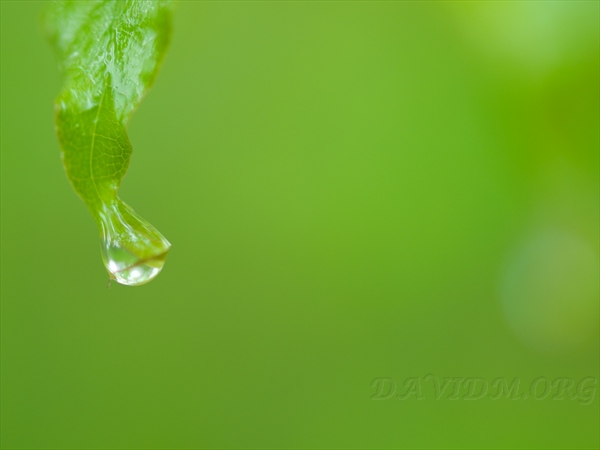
x=109, y=53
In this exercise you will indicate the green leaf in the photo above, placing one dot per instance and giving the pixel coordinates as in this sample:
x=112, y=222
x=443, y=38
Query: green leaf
x=109, y=53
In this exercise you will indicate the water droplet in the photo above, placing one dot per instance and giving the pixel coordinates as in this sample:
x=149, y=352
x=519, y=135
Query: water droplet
x=133, y=251
x=126, y=268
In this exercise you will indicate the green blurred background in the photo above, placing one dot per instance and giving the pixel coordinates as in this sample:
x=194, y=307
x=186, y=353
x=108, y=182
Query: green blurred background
x=353, y=190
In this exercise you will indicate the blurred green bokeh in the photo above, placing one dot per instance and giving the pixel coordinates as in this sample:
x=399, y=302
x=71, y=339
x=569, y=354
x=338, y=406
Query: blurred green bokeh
x=353, y=190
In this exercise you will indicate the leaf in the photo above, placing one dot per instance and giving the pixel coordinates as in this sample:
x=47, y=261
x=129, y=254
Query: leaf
x=109, y=53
